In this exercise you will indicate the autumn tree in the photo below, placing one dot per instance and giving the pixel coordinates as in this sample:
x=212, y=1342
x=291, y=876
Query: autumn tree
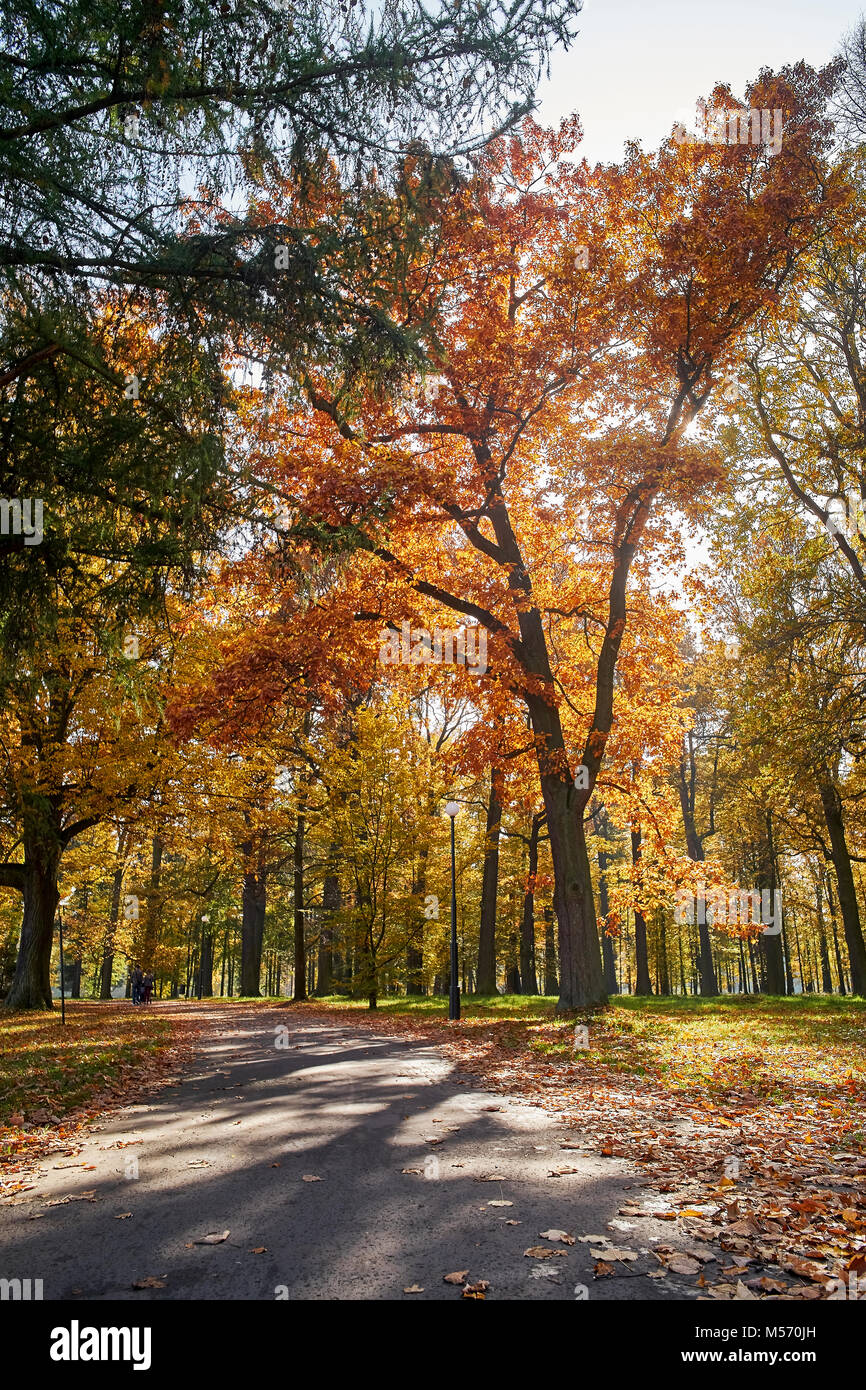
x=508, y=456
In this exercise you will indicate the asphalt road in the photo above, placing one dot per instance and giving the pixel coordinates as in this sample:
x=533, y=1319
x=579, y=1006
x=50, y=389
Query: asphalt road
x=230, y=1147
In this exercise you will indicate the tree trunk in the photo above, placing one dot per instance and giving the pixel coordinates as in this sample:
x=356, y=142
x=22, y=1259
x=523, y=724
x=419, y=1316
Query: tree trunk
x=154, y=906
x=107, y=969
x=253, y=904
x=643, y=983
x=551, y=980
x=581, y=980
x=607, y=952
x=840, y=969
x=528, y=972
x=331, y=902
x=486, y=973
x=664, y=973
x=415, y=944
x=300, y=993
x=31, y=983
x=206, y=966
x=832, y=804
x=695, y=847
x=770, y=945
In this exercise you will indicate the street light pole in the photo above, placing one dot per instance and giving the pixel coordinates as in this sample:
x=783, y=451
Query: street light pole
x=205, y=918
x=454, y=992
x=63, y=902
x=62, y=977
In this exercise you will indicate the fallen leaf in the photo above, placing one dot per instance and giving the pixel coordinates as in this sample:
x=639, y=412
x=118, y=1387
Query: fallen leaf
x=767, y=1284
x=541, y=1252
x=215, y=1238
x=611, y=1252
x=122, y=1215
x=258, y=1250
x=149, y=1283
x=457, y=1277
x=476, y=1290
x=602, y=1269
x=414, y=1288
x=557, y=1235
x=310, y=1177
x=683, y=1264
x=500, y=1203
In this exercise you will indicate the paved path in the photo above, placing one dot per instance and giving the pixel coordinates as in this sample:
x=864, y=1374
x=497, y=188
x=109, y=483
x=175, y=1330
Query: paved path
x=229, y=1148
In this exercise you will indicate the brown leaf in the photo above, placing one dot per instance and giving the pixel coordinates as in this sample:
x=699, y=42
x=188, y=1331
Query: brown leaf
x=562, y=1236
x=476, y=1290
x=258, y=1250
x=149, y=1283
x=122, y=1215
x=807, y=1268
x=602, y=1269
x=767, y=1284
x=310, y=1177
x=541, y=1252
x=215, y=1238
x=683, y=1264
x=414, y=1288
x=458, y=1277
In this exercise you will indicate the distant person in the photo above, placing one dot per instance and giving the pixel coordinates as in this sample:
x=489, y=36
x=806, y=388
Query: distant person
x=147, y=986
x=137, y=982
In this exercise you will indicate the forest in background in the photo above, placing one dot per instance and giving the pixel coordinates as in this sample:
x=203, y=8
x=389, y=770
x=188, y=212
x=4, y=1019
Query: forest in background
x=430, y=464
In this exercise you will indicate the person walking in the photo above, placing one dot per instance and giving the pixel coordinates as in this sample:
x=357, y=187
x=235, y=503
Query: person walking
x=147, y=986
x=137, y=980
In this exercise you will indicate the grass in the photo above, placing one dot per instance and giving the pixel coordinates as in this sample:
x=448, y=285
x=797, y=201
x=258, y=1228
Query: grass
x=763, y=1048
x=48, y=1070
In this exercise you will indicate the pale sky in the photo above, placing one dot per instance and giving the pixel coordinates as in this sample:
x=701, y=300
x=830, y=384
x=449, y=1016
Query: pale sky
x=638, y=66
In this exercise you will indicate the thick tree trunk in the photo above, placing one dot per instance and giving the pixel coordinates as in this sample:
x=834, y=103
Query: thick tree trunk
x=832, y=804
x=643, y=983
x=31, y=983
x=206, y=966
x=253, y=904
x=486, y=974
x=528, y=972
x=611, y=983
x=581, y=981
x=300, y=993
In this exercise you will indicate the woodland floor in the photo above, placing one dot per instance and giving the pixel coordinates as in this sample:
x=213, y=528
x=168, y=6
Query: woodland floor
x=697, y=1149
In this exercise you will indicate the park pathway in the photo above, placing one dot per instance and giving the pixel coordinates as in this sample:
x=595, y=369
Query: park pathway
x=297, y=1143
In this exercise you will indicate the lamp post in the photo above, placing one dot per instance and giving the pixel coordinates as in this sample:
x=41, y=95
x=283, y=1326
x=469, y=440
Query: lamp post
x=454, y=992
x=204, y=918
x=63, y=903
